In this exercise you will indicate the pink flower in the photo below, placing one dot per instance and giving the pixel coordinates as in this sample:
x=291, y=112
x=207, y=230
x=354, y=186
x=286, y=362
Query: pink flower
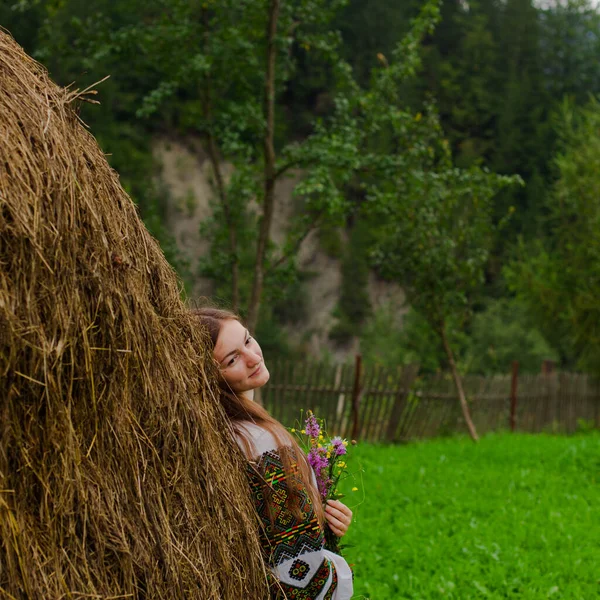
x=323, y=485
x=339, y=447
x=317, y=459
x=312, y=426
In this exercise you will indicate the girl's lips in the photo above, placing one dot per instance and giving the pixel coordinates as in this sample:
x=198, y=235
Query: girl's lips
x=257, y=370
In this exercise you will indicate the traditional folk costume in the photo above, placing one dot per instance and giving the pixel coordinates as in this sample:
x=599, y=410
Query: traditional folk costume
x=294, y=549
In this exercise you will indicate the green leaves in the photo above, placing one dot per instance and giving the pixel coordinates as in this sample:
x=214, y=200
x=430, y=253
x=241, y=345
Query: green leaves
x=559, y=276
x=435, y=234
x=376, y=152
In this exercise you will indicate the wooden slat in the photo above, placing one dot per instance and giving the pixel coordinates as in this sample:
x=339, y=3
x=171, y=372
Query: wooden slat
x=372, y=384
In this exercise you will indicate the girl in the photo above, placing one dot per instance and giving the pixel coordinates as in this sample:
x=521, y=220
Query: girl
x=282, y=482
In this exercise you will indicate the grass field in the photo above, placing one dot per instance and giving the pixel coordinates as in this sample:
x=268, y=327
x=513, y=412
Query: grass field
x=516, y=516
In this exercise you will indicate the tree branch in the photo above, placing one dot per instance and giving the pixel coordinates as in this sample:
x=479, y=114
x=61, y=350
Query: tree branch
x=292, y=251
x=269, y=169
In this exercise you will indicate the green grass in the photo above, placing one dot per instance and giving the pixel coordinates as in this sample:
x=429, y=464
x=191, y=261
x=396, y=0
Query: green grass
x=516, y=516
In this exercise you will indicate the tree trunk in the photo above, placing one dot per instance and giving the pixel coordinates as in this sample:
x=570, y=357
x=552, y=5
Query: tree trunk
x=458, y=384
x=269, y=170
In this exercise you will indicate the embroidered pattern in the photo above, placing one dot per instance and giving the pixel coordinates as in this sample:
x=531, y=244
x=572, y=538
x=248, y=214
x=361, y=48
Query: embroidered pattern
x=314, y=588
x=285, y=537
x=299, y=570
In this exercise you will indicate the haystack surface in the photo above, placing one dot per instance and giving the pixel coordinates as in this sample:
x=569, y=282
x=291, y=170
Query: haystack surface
x=117, y=479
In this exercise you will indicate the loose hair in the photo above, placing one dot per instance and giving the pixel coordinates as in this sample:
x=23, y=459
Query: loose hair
x=240, y=409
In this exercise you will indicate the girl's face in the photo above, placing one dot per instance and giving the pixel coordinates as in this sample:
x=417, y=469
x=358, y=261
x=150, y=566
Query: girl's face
x=240, y=358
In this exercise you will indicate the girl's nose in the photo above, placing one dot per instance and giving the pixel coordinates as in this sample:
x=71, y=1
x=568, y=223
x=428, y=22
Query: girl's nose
x=253, y=358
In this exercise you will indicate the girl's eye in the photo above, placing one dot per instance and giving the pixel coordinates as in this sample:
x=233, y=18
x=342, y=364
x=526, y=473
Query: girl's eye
x=231, y=361
x=248, y=340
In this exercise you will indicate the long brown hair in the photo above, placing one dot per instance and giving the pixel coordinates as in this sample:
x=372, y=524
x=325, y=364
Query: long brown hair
x=241, y=409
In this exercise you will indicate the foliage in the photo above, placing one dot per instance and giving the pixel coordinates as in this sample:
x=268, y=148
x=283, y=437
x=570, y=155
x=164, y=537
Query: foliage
x=354, y=305
x=432, y=220
x=436, y=236
x=388, y=342
x=216, y=264
x=485, y=344
x=529, y=532
x=331, y=154
x=154, y=222
x=569, y=49
x=559, y=276
x=382, y=339
x=371, y=29
x=233, y=113
x=352, y=110
x=502, y=333
x=435, y=228
x=464, y=79
x=330, y=240
x=272, y=336
x=498, y=70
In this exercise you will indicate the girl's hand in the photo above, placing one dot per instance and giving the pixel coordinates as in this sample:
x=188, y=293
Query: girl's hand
x=338, y=516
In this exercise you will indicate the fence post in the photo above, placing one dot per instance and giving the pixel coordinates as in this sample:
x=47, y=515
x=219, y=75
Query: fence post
x=513, y=394
x=338, y=414
x=548, y=418
x=356, y=393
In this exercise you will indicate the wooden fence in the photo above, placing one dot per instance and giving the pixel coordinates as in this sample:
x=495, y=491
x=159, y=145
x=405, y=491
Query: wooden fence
x=394, y=405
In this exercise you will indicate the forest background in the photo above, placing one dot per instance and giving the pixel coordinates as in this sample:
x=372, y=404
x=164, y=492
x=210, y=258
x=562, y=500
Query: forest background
x=452, y=148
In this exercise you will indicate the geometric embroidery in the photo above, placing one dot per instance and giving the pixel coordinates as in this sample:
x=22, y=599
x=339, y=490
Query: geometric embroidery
x=313, y=589
x=299, y=570
x=283, y=536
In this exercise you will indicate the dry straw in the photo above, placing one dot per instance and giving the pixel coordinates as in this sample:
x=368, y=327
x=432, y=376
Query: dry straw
x=117, y=477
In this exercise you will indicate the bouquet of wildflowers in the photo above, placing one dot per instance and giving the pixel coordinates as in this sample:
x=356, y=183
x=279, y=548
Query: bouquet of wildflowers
x=327, y=457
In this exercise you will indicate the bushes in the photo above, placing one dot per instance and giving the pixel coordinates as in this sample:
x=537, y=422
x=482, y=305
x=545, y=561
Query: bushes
x=354, y=305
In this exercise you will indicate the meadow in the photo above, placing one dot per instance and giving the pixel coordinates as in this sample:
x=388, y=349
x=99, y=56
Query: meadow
x=516, y=516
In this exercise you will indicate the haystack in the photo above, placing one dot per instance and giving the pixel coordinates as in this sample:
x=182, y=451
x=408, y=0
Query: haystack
x=117, y=479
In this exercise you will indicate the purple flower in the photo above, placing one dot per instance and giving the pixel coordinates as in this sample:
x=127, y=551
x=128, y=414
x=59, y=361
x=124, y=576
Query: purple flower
x=339, y=448
x=312, y=426
x=317, y=461
x=323, y=485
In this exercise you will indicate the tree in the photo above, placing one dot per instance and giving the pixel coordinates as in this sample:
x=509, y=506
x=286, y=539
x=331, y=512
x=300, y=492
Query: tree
x=570, y=44
x=247, y=57
x=435, y=242
x=371, y=28
x=332, y=154
x=559, y=276
x=461, y=70
x=434, y=221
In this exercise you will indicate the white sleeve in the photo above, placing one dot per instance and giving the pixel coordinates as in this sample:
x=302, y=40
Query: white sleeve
x=345, y=587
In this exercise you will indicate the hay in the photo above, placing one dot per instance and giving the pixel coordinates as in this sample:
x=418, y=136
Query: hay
x=115, y=480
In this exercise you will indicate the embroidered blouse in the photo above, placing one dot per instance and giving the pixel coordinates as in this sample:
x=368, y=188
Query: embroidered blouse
x=294, y=549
